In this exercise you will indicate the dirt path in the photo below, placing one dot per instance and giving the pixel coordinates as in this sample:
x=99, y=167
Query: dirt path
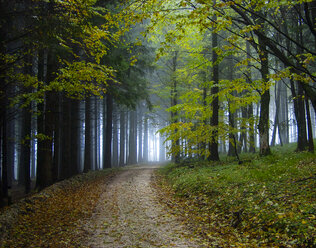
x=129, y=215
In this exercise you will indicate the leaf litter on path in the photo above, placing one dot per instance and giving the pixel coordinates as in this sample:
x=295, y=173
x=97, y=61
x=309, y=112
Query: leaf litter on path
x=96, y=209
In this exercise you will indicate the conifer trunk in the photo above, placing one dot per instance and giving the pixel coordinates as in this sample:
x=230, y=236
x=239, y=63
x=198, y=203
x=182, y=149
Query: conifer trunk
x=122, y=138
x=107, y=156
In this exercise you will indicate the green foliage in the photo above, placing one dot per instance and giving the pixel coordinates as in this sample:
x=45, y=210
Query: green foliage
x=264, y=202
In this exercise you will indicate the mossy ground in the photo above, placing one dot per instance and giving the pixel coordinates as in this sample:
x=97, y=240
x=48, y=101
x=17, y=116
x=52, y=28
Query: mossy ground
x=263, y=202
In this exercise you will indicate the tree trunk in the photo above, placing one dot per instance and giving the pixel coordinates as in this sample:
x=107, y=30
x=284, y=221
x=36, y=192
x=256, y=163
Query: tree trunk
x=283, y=114
x=25, y=154
x=140, y=135
x=214, y=156
x=46, y=126
x=264, y=103
x=4, y=200
x=107, y=157
x=66, y=137
x=145, y=154
x=132, y=158
x=122, y=138
x=96, y=132
x=309, y=125
x=115, y=139
x=88, y=135
x=75, y=137
x=174, y=114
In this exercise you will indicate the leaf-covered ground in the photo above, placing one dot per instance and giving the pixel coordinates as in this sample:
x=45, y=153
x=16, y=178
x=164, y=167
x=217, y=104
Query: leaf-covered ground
x=264, y=202
x=56, y=216
x=98, y=209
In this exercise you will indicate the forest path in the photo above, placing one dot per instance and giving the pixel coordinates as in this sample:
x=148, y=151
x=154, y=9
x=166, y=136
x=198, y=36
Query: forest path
x=129, y=214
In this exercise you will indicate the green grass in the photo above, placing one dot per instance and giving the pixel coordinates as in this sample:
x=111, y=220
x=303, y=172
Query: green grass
x=264, y=202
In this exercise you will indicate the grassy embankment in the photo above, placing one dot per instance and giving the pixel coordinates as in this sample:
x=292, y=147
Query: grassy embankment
x=264, y=202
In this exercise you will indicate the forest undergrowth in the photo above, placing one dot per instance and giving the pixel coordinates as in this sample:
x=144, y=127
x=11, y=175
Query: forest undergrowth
x=56, y=216
x=263, y=202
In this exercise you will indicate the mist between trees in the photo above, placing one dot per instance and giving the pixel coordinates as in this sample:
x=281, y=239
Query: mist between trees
x=87, y=85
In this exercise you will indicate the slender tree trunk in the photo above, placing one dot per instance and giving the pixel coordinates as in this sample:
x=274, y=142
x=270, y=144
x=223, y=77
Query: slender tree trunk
x=214, y=156
x=25, y=154
x=145, y=154
x=309, y=125
x=122, y=138
x=88, y=135
x=4, y=176
x=96, y=132
x=115, y=139
x=276, y=117
x=66, y=137
x=162, y=149
x=132, y=158
x=75, y=136
x=264, y=103
x=174, y=114
x=108, y=132
x=140, y=135
x=45, y=157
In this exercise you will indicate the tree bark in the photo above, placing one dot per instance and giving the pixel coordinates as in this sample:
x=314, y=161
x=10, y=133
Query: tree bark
x=264, y=103
x=75, y=137
x=140, y=134
x=145, y=154
x=88, y=135
x=107, y=157
x=214, y=156
x=132, y=157
x=174, y=114
x=46, y=126
x=122, y=138
x=309, y=126
x=115, y=140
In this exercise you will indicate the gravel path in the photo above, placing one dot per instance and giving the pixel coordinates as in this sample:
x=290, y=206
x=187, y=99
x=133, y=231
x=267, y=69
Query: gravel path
x=130, y=215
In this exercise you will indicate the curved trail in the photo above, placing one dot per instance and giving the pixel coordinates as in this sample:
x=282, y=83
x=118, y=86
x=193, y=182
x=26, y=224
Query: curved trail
x=130, y=215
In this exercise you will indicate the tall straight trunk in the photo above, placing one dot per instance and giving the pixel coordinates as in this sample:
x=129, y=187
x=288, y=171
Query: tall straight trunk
x=302, y=142
x=162, y=149
x=46, y=126
x=25, y=151
x=264, y=103
x=251, y=130
x=231, y=116
x=214, y=156
x=107, y=162
x=283, y=114
x=25, y=154
x=4, y=200
x=126, y=137
x=115, y=140
x=309, y=126
x=11, y=134
x=145, y=146
x=75, y=137
x=174, y=114
x=203, y=143
x=96, y=132
x=140, y=135
x=66, y=158
x=132, y=157
x=276, y=117
x=122, y=138
x=232, y=146
x=88, y=135
x=57, y=138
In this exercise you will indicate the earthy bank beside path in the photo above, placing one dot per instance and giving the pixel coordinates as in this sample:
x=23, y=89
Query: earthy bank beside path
x=129, y=214
x=97, y=209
